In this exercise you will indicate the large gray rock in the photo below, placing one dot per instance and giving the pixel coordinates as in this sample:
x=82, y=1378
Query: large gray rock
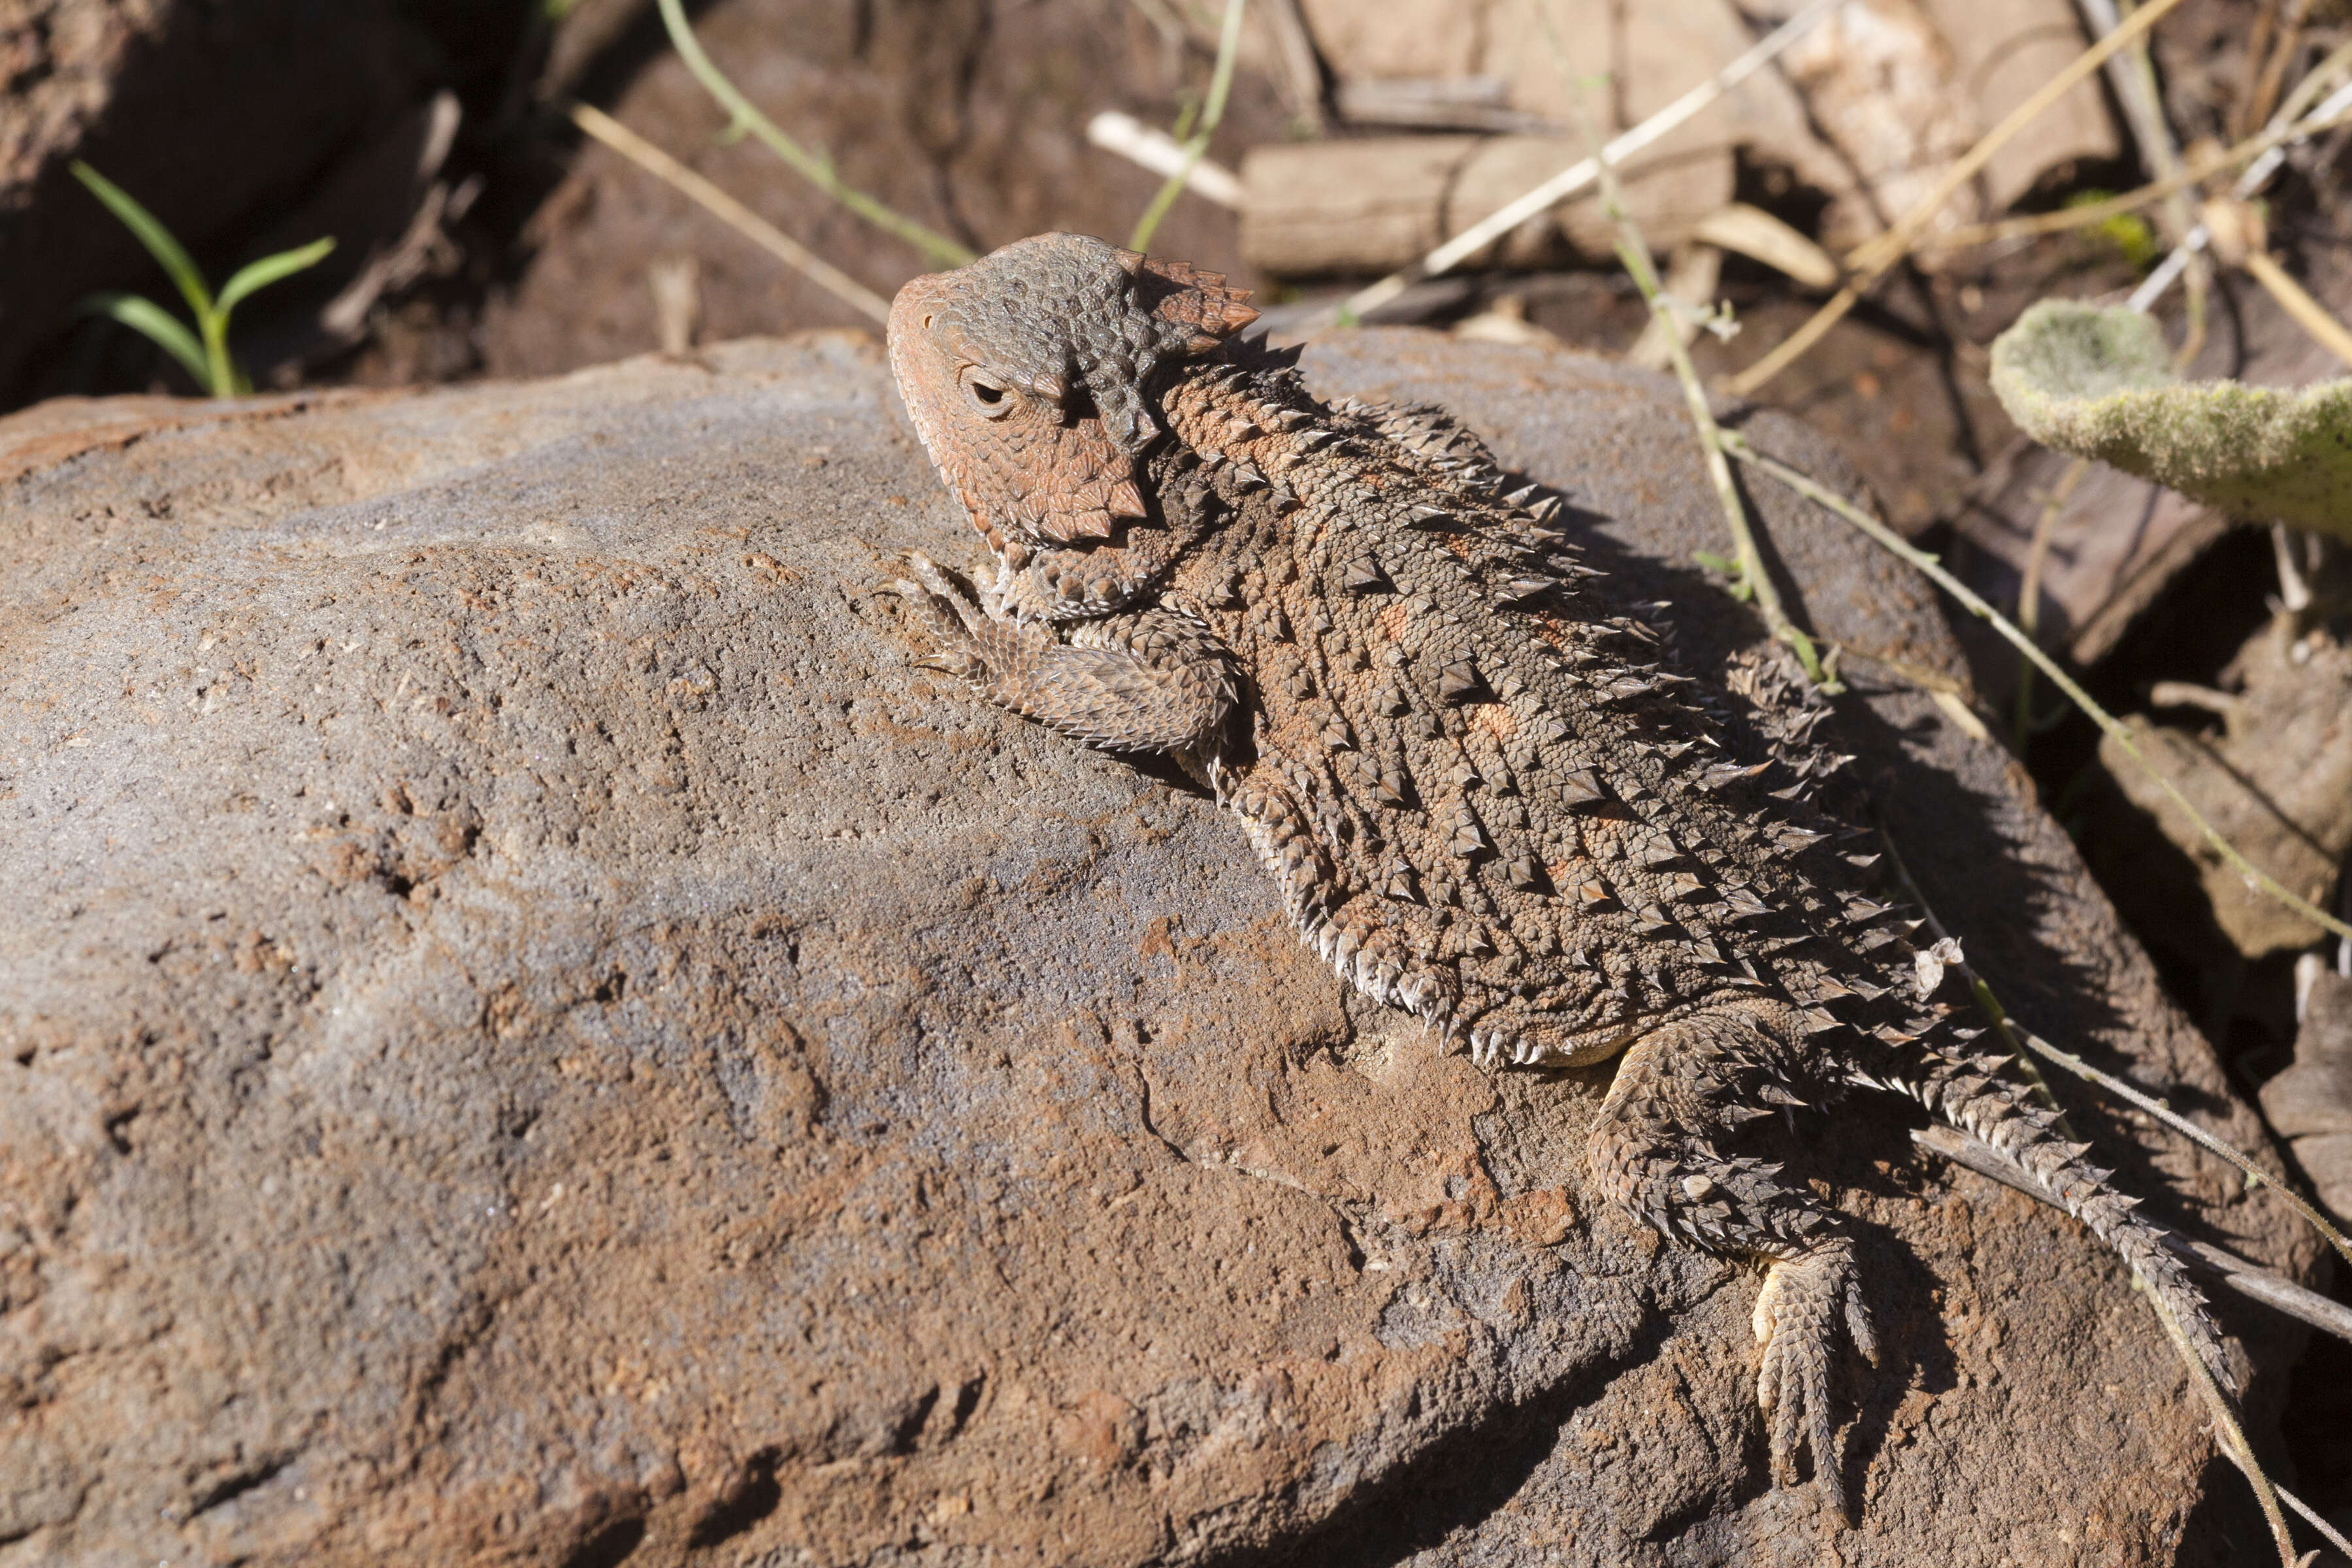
x=529, y=1034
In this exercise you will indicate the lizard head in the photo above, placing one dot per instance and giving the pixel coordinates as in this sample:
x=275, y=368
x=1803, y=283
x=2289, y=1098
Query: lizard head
x=1028, y=375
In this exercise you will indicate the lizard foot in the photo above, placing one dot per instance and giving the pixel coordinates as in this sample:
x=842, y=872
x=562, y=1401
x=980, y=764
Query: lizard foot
x=1797, y=1317
x=962, y=628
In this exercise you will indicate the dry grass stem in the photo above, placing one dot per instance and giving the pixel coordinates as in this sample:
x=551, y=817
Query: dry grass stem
x=729, y=211
x=1301, y=77
x=2273, y=71
x=1576, y=177
x=2092, y=214
x=2243, y=1275
x=1803, y=485
x=2309, y=313
x=743, y=117
x=2255, y=1174
x=1873, y=261
x=2229, y=1436
x=2258, y=174
x=2328, y=1532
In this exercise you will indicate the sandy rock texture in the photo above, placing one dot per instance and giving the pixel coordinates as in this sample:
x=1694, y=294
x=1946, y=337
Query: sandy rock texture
x=529, y=1034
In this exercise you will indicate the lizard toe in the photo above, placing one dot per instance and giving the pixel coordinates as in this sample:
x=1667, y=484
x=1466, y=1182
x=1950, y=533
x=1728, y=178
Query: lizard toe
x=1798, y=1315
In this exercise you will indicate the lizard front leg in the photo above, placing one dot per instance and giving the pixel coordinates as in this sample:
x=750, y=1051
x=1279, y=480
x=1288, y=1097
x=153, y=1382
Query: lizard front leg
x=1155, y=680
x=1658, y=1149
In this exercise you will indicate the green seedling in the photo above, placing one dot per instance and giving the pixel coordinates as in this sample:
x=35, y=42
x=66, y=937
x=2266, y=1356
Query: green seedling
x=2131, y=234
x=2099, y=384
x=204, y=351
x=1194, y=126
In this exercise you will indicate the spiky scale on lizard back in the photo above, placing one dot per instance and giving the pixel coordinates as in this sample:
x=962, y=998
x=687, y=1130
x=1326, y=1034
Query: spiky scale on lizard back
x=1486, y=793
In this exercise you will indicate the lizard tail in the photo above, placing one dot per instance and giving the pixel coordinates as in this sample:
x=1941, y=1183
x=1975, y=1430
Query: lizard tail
x=1973, y=1094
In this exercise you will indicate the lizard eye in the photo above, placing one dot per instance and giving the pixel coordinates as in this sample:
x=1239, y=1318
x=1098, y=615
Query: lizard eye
x=988, y=397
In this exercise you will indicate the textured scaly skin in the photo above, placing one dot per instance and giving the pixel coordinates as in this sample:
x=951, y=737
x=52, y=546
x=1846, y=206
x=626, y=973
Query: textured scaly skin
x=1485, y=797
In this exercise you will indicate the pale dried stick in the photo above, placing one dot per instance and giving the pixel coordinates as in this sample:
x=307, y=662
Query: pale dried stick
x=1737, y=445
x=1575, y=177
x=729, y=211
x=1873, y=261
x=1116, y=131
x=2255, y=1174
x=817, y=171
x=2309, y=313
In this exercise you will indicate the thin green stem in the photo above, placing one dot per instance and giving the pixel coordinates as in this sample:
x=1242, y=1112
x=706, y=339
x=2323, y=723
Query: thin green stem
x=213, y=326
x=1987, y=1002
x=2116, y=731
x=2230, y=1437
x=1196, y=144
x=1751, y=581
x=2029, y=591
x=2255, y=1174
x=2232, y=1440
x=817, y=171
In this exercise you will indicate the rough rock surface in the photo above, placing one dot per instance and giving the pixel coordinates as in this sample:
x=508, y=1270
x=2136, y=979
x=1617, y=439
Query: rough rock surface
x=529, y=1034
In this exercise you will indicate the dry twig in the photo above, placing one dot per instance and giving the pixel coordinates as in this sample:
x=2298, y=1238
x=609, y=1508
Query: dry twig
x=817, y=171
x=1576, y=177
x=1873, y=261
x=2089, y=214
x=2244, y=1276
x=729, y=211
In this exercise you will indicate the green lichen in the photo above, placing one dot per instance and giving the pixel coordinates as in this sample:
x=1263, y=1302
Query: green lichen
x=2099, y=384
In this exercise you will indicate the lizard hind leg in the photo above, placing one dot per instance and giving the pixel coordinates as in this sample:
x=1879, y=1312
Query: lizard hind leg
x=1660, y=1150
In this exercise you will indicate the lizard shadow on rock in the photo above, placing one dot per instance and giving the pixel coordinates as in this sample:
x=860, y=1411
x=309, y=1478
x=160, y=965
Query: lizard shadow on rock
x=1471, y=1473
x=1949, y=830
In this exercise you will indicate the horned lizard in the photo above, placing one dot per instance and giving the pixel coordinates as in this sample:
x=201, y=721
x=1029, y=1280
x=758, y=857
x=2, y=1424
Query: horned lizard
x=1485, y=795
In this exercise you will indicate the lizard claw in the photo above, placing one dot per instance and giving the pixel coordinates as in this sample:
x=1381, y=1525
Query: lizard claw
x=941, y=601
x=1797, y=1317
x=964, y=666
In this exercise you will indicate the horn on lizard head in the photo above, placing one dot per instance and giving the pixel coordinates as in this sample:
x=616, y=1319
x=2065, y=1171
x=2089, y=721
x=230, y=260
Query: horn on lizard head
x=1180, y=295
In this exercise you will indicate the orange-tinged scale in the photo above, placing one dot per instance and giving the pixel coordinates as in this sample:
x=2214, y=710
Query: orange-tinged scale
x=1392, y=621
x=1494, y=719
